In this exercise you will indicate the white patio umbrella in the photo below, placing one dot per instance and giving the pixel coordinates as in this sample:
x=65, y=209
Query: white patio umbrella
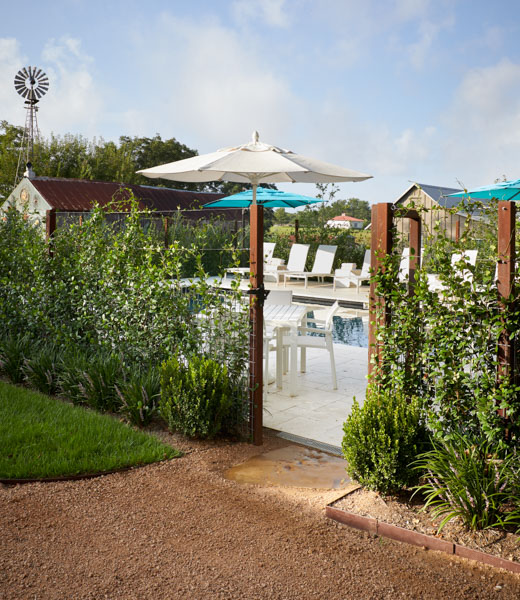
x=253, y=163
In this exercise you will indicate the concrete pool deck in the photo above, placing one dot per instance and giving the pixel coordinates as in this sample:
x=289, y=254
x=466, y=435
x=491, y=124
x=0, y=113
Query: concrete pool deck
x=318, y=412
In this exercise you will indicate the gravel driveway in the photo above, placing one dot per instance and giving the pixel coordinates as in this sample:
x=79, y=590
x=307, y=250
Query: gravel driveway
x=180, y=530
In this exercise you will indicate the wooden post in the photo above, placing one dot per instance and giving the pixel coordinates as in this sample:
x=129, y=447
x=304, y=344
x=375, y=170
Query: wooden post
x=381, y=245
x=506, y=270
x=457, y=230
x=166, y=232
x=256, y=313
x=50, y=228
x=296, y=230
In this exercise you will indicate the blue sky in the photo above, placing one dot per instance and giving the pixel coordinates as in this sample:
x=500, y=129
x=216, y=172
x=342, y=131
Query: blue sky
x=406, y=90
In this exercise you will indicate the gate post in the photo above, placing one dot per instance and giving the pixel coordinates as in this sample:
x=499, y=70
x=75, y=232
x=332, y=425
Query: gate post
x=256, y=315
x=506, y=269
x=50, y=228
x=381, y=245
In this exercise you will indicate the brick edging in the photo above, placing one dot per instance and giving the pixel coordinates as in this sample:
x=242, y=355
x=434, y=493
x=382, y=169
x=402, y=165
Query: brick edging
x=376, y=527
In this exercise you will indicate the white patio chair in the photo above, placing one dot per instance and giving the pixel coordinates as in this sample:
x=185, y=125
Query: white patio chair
x=321, y=268
x=319, y=336
x=295, y=262
x=274, y=297
x=364, y=274
x=468, y=256
x=342, y=275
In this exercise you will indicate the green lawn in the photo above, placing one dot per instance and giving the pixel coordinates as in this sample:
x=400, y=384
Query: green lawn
x=43, y=437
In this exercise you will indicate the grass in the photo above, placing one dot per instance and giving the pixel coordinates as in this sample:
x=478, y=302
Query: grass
x=43, y=437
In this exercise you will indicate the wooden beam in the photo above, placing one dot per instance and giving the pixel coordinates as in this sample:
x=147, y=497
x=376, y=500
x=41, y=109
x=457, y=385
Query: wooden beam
x=256, y=312
x=382, y=223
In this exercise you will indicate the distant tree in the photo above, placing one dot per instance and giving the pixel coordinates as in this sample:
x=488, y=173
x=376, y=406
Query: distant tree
x=74, y=156
x=317, y=215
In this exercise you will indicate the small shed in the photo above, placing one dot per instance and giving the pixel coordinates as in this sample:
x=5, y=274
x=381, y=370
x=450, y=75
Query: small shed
x=438, y=202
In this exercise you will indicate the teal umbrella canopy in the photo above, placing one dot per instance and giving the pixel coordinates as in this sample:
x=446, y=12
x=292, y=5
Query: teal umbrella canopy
x=264, y=197
x=505, y=190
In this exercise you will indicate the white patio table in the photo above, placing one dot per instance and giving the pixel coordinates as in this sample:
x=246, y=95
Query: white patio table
x=282, y=317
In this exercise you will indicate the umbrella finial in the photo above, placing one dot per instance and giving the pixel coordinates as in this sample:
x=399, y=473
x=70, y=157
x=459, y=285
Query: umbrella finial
x=255, y=137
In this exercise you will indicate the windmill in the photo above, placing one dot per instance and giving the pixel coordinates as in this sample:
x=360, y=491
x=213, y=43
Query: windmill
x=31, y=83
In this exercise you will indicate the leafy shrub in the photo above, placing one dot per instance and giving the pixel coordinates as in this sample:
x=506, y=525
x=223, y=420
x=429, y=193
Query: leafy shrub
x=195, y=397
x=381, y=439
x=464, y=478
x=14, y=350
x=139, y=396
x=41, y=370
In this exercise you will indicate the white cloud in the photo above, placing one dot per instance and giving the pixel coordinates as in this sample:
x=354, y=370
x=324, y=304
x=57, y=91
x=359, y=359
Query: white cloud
x=218, y=88
x=74, y=103
x=11, y=61
x=272, y=12
x=482, y=138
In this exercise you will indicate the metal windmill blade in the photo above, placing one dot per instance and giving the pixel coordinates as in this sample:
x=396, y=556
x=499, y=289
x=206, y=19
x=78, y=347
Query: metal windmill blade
x=31, y=83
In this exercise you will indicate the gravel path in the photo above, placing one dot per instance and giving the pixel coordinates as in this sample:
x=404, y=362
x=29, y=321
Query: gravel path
x=180, y=530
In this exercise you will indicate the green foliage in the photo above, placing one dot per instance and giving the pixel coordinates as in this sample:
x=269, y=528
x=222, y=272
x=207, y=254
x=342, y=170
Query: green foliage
x=97, y=382
x=112, y=298
x=381, y=439
x=45, y=437
x=195, y=396
x=465, y=479
x=442, y=346
x=140, y=395
x=13, y=351
x=41, y=370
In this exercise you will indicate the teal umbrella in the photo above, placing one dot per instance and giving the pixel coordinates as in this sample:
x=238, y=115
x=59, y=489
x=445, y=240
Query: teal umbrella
x=265, y=197
x=505, y=190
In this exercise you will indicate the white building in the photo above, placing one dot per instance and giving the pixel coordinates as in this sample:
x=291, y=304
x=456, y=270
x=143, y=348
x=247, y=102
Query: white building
x=345, y=222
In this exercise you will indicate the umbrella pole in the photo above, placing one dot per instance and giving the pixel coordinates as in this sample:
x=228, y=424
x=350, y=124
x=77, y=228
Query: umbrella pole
x=256, y=335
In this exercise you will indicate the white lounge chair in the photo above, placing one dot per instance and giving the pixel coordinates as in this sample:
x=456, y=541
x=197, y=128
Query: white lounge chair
x=321, y=268
x=467, y=256
x=295, y=263
x=342, y=275
x=268, y=257
x=364, y=274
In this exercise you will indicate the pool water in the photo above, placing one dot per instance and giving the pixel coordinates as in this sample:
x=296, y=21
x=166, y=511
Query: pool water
x=351, y=331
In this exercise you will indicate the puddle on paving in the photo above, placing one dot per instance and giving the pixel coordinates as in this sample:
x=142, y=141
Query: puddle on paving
x=293, y=466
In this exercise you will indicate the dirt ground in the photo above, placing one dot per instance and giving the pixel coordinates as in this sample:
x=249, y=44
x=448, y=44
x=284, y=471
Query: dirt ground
x=181, y=530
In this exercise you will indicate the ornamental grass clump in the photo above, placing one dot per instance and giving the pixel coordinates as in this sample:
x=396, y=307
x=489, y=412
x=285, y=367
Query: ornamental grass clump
x=381, y=438
x=465, y=479
x=14, y=350
x=196, y=396
x=140, y=395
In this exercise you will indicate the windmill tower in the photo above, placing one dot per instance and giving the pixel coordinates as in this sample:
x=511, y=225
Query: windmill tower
x=31, y=83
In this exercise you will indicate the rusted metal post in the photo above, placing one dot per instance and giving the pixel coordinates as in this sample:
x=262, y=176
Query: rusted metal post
x=256, y=313
x=166, y=232
x=80, y=220
x=381, y=245
x=506, y=270
x=50, y=228
x=296, y=230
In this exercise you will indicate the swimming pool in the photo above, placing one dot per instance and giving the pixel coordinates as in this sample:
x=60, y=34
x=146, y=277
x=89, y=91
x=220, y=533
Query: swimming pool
x=351, y=331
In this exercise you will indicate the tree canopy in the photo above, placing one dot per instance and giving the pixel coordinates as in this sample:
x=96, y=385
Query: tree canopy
x=74, y=156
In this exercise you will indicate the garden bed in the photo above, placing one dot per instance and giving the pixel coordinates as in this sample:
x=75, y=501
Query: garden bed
x=402, y=518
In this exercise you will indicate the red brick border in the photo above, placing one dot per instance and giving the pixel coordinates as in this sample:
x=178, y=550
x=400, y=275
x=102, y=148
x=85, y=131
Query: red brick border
x=376, y=527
